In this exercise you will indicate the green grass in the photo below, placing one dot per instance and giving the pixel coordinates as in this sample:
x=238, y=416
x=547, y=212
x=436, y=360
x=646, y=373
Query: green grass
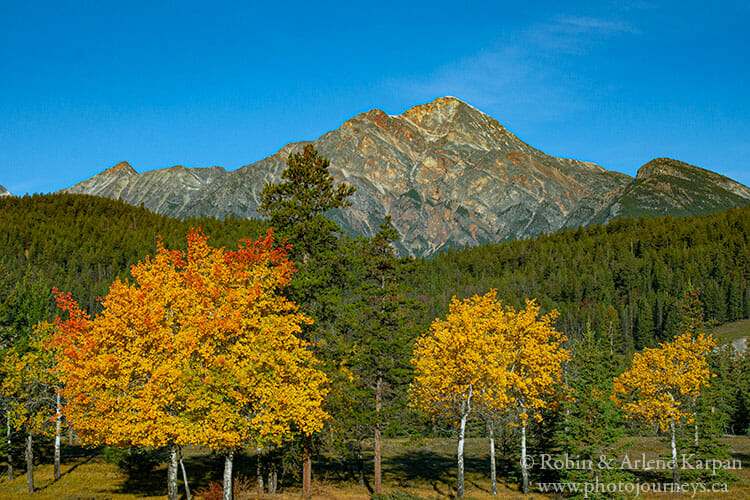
x=425, y=470
x=729, y=332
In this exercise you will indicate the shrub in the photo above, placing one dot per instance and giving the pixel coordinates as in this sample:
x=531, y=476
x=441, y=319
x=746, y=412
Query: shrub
x=242, y=489
x=396, y=495
x=134, y=461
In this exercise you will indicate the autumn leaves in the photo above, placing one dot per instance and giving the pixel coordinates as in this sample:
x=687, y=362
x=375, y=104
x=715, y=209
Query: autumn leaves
x=488, y=359
x=200, y=349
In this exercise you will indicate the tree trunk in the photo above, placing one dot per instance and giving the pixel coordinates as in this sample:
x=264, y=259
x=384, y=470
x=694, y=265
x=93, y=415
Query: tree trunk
x=493, y=473
x=306, y=474
x=378, y=407
x=70, y=433
x=360, y=464
x=185, y=478
x=460, y=453
x=58, y=435
x=675, y=465
x=695, y=430
x=465, y=410
x=227, y=491
x=172, y=491
x=10, y=457
x=524, y=469
x=259, y=470
x=29, y=465
x=272, y=480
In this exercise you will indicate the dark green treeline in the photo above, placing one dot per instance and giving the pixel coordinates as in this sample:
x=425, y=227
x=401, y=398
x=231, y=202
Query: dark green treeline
x=623, y=279
x=80, y=243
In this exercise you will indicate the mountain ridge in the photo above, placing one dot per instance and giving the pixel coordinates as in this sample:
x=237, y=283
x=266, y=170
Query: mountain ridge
x=448, y=174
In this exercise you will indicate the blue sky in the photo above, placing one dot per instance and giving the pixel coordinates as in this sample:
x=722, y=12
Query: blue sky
x=84, y=85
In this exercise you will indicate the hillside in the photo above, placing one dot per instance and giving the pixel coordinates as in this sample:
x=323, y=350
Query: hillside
x=667, y=186
x=637, y=267
x=81, y=243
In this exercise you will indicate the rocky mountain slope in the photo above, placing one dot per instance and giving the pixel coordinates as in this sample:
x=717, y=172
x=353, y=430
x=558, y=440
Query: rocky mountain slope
x=4, y=192
x=667, y=186
x=448, y=174
x=169, y=191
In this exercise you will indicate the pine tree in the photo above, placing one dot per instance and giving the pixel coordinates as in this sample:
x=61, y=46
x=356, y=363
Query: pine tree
x=297, y=208
x=591, y=427
x=382, y=334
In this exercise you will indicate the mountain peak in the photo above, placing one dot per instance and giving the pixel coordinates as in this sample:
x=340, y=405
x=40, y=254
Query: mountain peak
x=668, y=167
x=447, y=173
x=4, y=192
x=122, y=168
x=659, y=166
x=436, y=114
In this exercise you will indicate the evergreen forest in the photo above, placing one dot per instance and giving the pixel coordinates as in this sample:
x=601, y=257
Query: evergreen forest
x=593, y=306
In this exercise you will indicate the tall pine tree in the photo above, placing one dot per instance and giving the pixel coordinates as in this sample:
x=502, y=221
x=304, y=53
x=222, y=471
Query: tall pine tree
x=296, y=208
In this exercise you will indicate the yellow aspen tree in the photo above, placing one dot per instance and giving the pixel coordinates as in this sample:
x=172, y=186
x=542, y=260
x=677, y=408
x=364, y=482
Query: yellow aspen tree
x=202, y=348
x=459, y=366
x=535, y=368
x=29, y=388
x=663, y=381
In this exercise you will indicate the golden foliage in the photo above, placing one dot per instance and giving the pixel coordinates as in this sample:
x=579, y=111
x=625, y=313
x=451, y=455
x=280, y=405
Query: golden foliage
x=200, y=349
x=28, y=385
x=497, y=357
x=664, y=378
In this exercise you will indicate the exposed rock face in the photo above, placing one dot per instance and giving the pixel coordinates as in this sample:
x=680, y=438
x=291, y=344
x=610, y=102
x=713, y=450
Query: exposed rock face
x=169, y=191
x=4, y=192
x=448, y=174
x=666, y=186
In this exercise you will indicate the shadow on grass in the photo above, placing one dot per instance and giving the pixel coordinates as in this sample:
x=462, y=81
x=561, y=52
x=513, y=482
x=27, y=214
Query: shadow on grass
x=436, y=469
x=87, y=456
x=201, y=469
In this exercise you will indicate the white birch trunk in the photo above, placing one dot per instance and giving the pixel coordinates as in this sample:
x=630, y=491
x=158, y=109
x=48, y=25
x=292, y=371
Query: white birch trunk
x=461, y=436
x=172, y=491
x=493, y=472
x=675, y=465
x=227, y=491
x=184, y=478
x=465, y=410
x=10, y=457
x=259, y=469
x=58, y=436
x=524, y=469
x=29, y=464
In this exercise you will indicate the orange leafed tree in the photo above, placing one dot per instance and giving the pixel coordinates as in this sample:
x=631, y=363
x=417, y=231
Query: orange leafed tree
x=201, y=348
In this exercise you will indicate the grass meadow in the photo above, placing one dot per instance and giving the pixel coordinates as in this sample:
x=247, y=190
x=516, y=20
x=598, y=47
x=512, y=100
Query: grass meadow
x=426, y=470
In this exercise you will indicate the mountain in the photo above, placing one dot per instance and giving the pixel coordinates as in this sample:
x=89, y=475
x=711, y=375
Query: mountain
x=448, y=174
x=168, y=191
x=4, y=192
x=667, y=186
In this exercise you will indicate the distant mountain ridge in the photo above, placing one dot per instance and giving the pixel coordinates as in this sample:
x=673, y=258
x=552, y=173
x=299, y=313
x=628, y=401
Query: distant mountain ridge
x=4, y=192
x=448, y=174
